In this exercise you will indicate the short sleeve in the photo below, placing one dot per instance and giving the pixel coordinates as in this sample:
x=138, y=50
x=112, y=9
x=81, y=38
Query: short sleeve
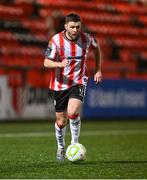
x=51, y=51
x=93, y=42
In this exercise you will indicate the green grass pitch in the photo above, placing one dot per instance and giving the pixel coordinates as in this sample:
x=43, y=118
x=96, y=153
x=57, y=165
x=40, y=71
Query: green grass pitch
x=116, y=150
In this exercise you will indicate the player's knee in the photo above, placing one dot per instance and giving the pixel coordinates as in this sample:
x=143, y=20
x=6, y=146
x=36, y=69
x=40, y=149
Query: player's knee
x=73, y=115
x=61, y=122
x=73, y=112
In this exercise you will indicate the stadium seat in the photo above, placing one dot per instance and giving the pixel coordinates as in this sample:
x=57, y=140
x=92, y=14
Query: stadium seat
x=15, y=78
x=137, y=76
x=112, y=75
x=46, y=78
x=2, y=71
x=23, y=38
x=35, y=78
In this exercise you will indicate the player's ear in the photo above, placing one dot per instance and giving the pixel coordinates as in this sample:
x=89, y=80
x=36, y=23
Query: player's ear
x=65, y=26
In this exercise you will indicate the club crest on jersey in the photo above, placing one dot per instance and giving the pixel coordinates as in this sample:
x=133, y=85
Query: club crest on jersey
x=48, y=51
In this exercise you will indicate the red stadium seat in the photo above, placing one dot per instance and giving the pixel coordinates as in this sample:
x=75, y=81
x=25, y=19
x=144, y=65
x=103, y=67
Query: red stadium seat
x=106, y=19
x=15, y=78
x=112, y=75
x=35, y=78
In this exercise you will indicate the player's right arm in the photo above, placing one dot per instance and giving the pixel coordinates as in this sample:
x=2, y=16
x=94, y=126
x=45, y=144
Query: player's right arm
x=52, y=64
x=50, y=56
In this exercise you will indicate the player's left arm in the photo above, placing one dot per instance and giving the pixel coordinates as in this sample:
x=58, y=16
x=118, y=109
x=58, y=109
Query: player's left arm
x=98, y=72
x=97, y=54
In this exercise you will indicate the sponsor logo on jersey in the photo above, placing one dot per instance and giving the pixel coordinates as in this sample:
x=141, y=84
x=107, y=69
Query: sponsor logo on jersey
x=74, y=57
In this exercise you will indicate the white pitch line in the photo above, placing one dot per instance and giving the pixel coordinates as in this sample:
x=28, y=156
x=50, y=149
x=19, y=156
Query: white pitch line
x=83, y=133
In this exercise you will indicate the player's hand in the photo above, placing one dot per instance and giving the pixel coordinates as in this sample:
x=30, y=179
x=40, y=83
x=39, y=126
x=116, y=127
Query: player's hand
x=98, y=77
x=64, y=63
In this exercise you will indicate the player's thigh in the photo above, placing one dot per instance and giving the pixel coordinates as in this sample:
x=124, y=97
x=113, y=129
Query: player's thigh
x=76, y=99
x=61, y=100
x=74, y=106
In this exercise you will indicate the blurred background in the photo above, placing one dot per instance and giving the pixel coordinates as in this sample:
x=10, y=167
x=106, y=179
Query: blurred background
x=120, y=27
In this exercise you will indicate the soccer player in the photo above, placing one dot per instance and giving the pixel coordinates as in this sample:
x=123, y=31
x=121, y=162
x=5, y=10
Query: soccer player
x=66, y=55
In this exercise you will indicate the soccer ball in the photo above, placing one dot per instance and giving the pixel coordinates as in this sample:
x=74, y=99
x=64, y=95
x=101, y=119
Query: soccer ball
x=76, y=152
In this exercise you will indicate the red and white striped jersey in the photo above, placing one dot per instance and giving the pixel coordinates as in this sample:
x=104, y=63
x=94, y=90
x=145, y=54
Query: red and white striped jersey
x=75, y=73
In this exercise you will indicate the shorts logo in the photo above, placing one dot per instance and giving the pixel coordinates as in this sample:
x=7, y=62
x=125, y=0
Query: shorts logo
x=82, y=90
x=85, y=79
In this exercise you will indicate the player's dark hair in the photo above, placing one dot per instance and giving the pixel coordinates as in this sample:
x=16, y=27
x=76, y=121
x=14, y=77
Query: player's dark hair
x=72, y=17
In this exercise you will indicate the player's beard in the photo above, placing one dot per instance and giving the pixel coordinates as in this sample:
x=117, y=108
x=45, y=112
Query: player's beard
x=72, y=36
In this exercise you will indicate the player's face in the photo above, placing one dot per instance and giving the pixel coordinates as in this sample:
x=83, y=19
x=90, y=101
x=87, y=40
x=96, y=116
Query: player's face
x=73, y=30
